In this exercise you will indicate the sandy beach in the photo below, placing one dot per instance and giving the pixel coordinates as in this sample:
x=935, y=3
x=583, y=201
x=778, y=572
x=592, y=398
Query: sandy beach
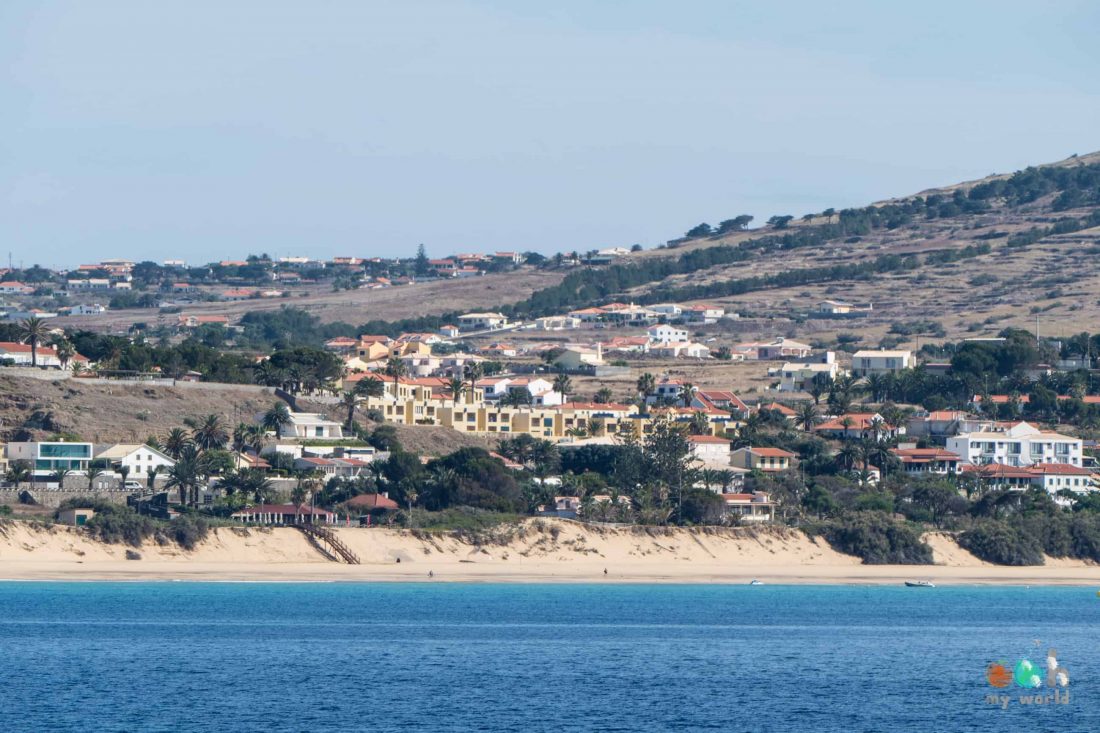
x=552, y=551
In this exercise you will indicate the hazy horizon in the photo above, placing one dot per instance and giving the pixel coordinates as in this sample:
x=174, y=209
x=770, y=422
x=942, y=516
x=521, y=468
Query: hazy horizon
x=197, y=131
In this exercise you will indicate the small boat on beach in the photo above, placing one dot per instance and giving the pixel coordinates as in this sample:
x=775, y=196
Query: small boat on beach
x=919, y=584
x=754, y=581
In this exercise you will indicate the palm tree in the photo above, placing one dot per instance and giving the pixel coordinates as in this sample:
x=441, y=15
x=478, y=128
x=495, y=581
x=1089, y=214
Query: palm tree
x=19, y=472
x=254, y=483
x=602, y=396
x=848, y=455
x=395, y=368
x=370, y=386
x=175, y=442
x=277, y=417
x=647, y=384
x=65, y=351
x=151, y=477
x=211, y=434
x=241, y=436
x=187, y=474
x=474, y=372
x=749, y=430
x=562, y=384
x=700, y=424
x=58, y=477
x=350, y=401
x=33, y=331
x=819, y=385
x=876, y=386
x=807, y=415
x=725, y=478
x=687, y=393
x=93, y=474
x=456, y=387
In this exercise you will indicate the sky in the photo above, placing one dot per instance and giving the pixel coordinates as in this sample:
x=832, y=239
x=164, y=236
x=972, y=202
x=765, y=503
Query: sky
x=206, y=130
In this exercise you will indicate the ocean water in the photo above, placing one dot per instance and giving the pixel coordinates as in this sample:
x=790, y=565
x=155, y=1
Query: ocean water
x=440, y=657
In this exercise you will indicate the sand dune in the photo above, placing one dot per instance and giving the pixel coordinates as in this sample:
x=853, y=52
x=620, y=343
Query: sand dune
x=535, y=551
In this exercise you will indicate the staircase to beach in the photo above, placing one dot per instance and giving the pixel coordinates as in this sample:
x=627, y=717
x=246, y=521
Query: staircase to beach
x=327, y=541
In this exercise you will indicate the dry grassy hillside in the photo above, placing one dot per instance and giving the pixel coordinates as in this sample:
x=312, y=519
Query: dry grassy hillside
x=116, y=412
x=1054, y=279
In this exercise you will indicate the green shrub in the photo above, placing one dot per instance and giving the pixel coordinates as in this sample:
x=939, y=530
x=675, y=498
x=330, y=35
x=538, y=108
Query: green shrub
x=187, y=531
x=116, y=524
x=999, y=543
x=877, y=539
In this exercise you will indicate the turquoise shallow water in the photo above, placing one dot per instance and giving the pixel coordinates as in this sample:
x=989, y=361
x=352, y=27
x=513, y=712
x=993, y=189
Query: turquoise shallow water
x=380, y=657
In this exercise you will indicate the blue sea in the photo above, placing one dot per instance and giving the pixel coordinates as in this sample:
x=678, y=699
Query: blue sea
x=441, y=657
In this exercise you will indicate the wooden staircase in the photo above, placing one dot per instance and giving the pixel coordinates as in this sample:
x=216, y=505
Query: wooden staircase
x=328, y=542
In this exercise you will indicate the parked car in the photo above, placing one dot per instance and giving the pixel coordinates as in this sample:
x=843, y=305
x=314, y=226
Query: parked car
x=132, y=484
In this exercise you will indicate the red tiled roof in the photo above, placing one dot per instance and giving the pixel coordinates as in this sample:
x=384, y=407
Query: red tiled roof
x=372, y=501
x=1061, y=469
x=771, y=452
x=997, y=470
x=1003, y=399
x=712, y=439
x=859, y=421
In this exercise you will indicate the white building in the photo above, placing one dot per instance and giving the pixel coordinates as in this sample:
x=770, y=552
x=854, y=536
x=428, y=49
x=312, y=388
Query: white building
x=677, y=349
x=665, y=334
x=1021, y=445
x=310, y=425
x=781, y=348
x=671, y=310
x=711, y=450
x=881, y=361
x=702, y=313
x=557, y=323
x=482, y=321
x=798, y=377
x=50, y=456
x=136, y=458
x=578, y=357
x=1056, y=477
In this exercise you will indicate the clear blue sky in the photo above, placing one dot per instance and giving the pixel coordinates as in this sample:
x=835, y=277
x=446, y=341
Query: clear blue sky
x=207, y=129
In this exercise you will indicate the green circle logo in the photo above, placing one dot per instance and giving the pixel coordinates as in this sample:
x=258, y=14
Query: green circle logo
x=1026, y=674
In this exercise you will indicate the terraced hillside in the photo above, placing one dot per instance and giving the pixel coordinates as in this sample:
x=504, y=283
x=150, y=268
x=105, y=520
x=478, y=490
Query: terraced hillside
x=969, y=259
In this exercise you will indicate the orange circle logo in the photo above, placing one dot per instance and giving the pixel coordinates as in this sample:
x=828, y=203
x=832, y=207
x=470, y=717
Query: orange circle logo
x=998, y=675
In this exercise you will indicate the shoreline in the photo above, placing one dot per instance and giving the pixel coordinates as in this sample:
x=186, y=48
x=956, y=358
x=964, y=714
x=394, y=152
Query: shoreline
x=860, y=575
x=538, y=551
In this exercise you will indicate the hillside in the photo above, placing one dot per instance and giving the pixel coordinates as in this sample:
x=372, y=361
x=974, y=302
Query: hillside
x=975, y=257
x=132, y=411
x=120, y=411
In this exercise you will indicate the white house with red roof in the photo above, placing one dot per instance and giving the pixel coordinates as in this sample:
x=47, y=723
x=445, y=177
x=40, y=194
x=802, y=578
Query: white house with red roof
x=750, y=508
x=710, y=449
x=14, y=287
x=20, y=355
x=927, y=460
x=858, y=426
x=720, y=399
x=702, y=313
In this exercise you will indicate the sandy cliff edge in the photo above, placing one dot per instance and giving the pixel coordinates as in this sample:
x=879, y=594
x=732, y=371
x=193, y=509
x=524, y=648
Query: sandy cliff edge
x=535, y=551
